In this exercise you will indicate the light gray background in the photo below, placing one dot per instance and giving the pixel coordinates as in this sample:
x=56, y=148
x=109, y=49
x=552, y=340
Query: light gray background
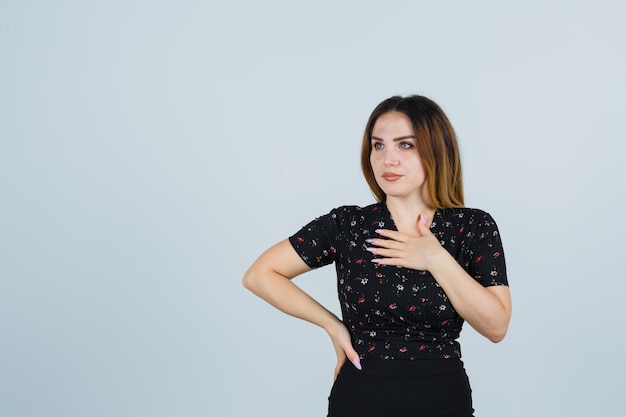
x=150, y=150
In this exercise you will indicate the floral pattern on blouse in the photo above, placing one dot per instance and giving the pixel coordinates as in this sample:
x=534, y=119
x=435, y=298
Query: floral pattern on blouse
x=394, y=312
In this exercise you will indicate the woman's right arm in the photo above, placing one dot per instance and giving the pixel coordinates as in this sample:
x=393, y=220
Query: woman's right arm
x=270, y=277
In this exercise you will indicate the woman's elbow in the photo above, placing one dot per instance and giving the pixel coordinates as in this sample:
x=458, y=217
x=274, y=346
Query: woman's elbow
x=245, y=282
x=257, y=278
x=249, y=280
x=496, y=334
x=493, y=329
x=496, y=337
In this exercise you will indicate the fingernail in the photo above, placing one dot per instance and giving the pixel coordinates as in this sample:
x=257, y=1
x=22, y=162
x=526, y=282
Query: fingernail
x=369, y=240
x=422, y=218
x=373, y=250
x=356, y=364
x=379, y=231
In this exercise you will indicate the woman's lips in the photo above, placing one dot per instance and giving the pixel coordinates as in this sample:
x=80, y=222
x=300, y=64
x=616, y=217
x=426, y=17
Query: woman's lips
x=391, y=176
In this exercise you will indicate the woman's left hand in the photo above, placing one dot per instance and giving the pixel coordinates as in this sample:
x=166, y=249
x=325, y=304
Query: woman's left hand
x=414, y=251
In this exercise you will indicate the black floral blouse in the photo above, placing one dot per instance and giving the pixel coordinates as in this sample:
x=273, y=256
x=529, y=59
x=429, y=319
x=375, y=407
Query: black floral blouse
x=394, y=312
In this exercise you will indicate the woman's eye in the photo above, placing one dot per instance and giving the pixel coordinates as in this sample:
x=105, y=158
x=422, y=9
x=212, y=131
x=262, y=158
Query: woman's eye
x=406, y=145
x=377, y=145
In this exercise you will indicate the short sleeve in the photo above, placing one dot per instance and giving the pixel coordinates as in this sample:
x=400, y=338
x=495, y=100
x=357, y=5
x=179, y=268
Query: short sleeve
x=317, y=242
x=486, y=255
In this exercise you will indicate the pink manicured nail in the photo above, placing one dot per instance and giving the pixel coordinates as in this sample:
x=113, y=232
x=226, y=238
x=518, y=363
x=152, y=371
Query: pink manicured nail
x=422, y=218
x=356, y=364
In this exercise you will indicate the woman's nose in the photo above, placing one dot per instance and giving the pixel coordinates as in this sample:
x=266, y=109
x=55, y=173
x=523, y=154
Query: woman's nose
x=391, y=159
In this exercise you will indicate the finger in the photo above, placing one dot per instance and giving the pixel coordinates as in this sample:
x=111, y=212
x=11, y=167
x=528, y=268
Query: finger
x=422, y=225
x=350, y=354
x=388, y=261
x=384, y=252
x=419, y=224
x=391, y=234
x=353, y=357
x=340, y=361
x=383, y=243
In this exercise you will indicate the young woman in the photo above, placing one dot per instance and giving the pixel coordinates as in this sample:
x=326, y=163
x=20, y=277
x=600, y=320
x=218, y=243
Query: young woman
x=411, y=269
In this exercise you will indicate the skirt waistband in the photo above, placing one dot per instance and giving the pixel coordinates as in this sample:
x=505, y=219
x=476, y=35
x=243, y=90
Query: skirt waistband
x=410, y=368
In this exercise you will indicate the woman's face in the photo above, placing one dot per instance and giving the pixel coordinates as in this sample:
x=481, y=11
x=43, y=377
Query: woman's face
x=396, y=164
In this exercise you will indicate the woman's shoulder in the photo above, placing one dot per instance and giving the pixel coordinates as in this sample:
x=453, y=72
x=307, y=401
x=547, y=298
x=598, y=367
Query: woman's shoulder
x=465, y=215
x=462, y=211
x=353, y=215
x=358, y=210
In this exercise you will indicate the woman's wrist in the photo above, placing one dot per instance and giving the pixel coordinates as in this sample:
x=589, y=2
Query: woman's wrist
x=439, y=261
x=333, y=325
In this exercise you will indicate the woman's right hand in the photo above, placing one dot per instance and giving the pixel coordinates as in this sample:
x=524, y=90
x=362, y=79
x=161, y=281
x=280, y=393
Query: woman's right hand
x=270, y=276
x=342, y=342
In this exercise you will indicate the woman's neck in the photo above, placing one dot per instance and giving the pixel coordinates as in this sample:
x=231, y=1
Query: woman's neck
x=405, y=213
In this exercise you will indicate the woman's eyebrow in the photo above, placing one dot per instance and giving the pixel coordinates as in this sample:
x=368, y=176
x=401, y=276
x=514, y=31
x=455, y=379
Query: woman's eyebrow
x=395, y=139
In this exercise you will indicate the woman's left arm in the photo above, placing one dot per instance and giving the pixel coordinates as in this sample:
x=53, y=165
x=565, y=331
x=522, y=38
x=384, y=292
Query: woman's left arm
x=486, y=309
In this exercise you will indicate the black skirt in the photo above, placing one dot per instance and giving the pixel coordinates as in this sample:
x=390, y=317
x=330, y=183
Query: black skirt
x=402, y=388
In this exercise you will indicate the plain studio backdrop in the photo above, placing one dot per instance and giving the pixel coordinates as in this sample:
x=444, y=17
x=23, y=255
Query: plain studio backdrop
x=151, y=150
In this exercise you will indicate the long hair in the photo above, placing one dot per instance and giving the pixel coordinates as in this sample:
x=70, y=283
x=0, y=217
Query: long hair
x=436, y=145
